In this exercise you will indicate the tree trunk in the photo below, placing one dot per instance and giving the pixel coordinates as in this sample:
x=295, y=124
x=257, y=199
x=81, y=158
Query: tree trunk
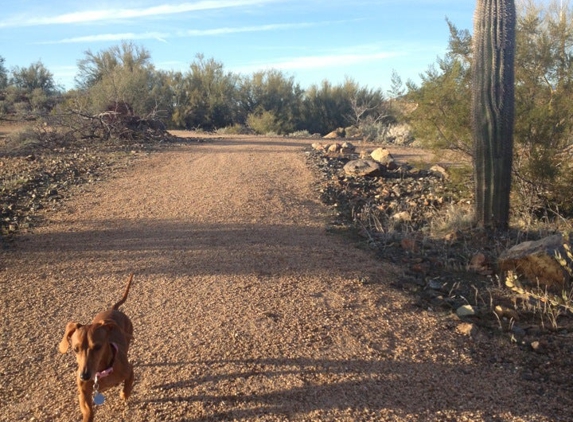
x=493, y=110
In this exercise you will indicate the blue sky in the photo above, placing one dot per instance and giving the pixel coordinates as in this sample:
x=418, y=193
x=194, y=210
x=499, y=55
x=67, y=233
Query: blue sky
x=311, y=40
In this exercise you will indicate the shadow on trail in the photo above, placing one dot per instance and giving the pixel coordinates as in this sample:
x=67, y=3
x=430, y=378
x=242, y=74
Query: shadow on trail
x=322, y=385
x=249, y=142
x=175, y=248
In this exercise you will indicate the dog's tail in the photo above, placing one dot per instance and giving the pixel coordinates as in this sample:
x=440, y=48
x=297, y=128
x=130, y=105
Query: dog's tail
x=123, y=299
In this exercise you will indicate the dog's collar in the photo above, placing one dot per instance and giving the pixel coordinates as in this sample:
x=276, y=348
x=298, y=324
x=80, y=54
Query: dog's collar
x=109, y=370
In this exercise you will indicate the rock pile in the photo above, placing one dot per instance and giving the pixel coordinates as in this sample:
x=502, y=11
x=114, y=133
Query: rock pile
x=378, y=187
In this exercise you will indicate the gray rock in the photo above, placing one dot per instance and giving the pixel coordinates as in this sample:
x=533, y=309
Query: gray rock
x=347, y=148
x=363, y=168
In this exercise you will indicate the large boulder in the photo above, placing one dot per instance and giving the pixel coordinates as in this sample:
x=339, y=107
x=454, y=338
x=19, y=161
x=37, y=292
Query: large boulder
x=364, y=168
x=382, y=156
x=338, y=133
x=544, y=263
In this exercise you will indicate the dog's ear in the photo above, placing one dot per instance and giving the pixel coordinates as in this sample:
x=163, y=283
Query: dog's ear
x=71, y=327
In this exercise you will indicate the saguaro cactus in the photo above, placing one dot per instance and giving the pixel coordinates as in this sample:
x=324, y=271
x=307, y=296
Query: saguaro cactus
x=493, y=109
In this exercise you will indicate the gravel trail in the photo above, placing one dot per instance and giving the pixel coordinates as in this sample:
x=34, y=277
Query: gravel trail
x=245, y=307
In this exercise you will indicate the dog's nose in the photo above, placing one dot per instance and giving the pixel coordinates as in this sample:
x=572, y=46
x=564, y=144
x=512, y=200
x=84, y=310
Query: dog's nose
x=85, y=376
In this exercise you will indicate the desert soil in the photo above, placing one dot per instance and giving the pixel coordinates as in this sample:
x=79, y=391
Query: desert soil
x=245, y=307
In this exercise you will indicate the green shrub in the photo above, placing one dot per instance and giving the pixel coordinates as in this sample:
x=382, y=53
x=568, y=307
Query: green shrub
x=300, y=134
x=263, y=122
x=235, y=129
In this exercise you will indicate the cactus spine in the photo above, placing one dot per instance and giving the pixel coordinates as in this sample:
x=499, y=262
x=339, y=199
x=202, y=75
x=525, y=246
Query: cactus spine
x=493, y=110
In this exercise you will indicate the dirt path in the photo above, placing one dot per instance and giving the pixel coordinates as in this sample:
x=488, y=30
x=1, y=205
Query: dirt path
x=244, y=307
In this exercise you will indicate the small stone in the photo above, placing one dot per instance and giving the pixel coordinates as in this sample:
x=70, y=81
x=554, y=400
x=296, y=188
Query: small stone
x=402, y=216
x=439, y=171
x=436, y=284
x=480, y=264
x=465, y=310
x=348, y=147
x=408, y=244
x=465, y=328
x=536, y=346
x=504, y=312
x=334, y=148
x=452, y=237
x=528, y=376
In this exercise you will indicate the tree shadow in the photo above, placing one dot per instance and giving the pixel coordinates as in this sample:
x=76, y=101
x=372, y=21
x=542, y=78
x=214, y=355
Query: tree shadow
x=164, y=246
x=325, y=385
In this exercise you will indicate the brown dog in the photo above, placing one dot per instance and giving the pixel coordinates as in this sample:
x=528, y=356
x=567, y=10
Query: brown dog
x=101, y=352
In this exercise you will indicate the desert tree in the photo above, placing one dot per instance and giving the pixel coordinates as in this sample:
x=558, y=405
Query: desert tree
x=93, y=67
x=366, y=104
x=34, y=77
x=271, y=101
x=123, y=74
x=544, y=106
x=327, y=107
x=442, y=116
x=206, y=95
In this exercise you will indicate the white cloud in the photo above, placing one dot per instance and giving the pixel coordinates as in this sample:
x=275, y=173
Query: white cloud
x=315, y=62
x=259, y=28
x=162, y=36
x=114, y=14
x=111, y=37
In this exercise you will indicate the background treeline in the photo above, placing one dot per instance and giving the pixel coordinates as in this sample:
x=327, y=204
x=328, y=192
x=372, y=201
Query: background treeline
x=205, y=97
x=208, y=97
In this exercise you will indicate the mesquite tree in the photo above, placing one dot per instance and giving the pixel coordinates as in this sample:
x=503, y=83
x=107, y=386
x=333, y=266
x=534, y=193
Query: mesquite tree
x=493, y=109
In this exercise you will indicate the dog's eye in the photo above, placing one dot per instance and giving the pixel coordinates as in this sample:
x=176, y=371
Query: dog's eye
x=97, y=347
x=76, y=350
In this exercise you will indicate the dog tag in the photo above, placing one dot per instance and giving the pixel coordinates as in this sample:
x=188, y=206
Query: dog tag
x=98, y=399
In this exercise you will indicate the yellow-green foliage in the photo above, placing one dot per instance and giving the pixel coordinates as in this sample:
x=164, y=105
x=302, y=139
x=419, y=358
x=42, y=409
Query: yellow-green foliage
x=546, y=305
x=264, y=122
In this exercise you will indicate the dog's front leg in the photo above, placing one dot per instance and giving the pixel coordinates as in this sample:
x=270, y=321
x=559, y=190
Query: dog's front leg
x=86, y=401
x=127, y=384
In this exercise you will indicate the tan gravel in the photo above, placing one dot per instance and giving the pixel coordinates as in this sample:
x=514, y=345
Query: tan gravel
x=245, y=308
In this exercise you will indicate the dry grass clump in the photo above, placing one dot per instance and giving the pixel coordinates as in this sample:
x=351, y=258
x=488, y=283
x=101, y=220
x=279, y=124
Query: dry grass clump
x=452, y=218
x=21, y=141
